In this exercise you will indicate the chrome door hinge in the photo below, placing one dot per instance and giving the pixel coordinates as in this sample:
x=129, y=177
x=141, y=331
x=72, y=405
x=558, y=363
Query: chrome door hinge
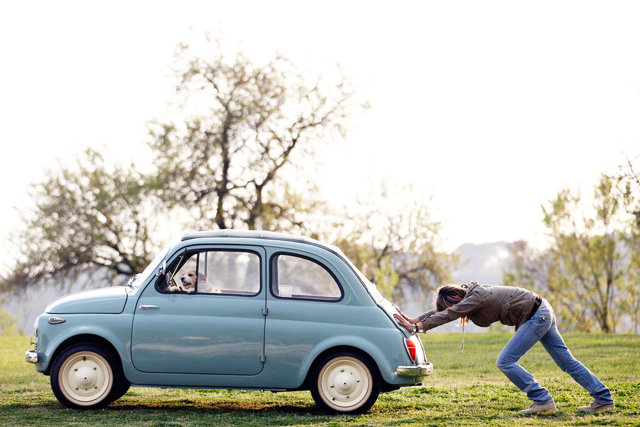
x=263, y=358
x=265, y=311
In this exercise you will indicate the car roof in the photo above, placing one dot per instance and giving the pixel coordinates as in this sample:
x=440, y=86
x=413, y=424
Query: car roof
x=256, y=234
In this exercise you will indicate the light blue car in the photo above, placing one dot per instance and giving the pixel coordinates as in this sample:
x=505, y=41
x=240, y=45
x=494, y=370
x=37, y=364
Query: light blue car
x=231, y=309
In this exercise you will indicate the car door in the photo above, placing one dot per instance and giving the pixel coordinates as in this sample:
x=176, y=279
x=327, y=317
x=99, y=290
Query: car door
x=216, y=328
x=306, y=302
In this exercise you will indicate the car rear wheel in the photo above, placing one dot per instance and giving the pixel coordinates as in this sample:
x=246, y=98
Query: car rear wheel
x=345, y=383
x=86, y=376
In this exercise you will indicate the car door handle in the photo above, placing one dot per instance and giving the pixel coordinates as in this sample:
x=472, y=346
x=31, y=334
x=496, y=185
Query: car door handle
x=147, y=307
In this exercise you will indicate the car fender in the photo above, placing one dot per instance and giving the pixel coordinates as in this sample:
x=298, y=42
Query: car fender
x=79, y=327
x=386, y=361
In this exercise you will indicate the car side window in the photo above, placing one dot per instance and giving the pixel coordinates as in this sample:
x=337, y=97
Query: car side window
x=218, y=272
x=301, y=278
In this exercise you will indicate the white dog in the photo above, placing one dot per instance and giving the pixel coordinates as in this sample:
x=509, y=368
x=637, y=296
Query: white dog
x=188, y=282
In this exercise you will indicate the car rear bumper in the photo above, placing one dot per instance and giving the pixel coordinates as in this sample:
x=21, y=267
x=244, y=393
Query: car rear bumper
x=416, y=371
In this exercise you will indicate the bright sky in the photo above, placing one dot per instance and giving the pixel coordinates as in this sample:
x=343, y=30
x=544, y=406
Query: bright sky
x=490, y=106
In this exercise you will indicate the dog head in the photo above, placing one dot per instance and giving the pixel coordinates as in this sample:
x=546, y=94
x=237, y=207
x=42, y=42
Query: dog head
x=189, y=280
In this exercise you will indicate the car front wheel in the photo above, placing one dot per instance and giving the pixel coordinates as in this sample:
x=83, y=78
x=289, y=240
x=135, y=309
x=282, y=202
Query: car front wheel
x=86, y=376
x=117, y=394
x=345, y=383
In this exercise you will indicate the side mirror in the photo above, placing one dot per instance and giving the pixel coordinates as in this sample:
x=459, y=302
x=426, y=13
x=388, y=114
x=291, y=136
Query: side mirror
x=161, y=271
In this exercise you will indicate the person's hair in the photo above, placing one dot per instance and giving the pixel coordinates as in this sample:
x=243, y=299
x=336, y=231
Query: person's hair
x=449, y=295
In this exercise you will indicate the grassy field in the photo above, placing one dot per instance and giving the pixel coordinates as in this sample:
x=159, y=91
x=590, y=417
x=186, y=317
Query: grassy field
x=466, y=389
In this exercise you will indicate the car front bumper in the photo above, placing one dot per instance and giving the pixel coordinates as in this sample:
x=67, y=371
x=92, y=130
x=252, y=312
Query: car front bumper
x=416, y=371
x=31, y=356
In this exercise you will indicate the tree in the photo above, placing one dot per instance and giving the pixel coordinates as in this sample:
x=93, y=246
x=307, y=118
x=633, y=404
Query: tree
x=628, y=185
x=87, y=214
x=628, y=191
x=528, y=267
x=393, y=241
x=583, y=269
x=630, y=296
x=225, y=160
x=231, y=156
x=244, y=125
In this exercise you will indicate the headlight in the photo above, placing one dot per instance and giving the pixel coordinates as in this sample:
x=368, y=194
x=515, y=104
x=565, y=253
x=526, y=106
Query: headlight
x=34, y=339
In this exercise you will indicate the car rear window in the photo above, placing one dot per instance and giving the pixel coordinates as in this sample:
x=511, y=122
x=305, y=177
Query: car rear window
x=298, y=277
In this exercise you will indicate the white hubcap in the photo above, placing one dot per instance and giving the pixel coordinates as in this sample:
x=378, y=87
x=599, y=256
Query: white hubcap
x=345, y=383
x=85, y=378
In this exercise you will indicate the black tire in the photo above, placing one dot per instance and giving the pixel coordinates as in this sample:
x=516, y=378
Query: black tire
x=86, y=376
x=124, y=387
x=345, y=383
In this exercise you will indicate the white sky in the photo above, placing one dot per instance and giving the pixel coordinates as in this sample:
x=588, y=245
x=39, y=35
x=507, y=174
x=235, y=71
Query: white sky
x=490, y=106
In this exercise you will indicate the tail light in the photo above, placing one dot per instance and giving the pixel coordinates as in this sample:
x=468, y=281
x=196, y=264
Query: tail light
x=411, y=349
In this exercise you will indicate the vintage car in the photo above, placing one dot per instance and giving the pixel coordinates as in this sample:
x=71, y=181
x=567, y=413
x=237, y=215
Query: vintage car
x=231, y=309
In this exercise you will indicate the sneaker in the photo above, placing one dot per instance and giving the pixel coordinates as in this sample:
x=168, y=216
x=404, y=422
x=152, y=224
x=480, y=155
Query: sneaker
x=595, y=407
x=549, y=406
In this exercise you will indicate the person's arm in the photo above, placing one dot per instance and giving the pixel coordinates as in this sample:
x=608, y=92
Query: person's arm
x=412, y=324
x=425, y=316
x=469, y=304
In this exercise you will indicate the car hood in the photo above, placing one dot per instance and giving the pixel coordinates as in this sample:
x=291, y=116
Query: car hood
x=106, y=300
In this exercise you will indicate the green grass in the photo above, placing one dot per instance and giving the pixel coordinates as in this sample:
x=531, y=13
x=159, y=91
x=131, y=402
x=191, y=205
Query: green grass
x=465, y=389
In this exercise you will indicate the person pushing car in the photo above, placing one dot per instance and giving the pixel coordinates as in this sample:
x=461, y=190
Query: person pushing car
x=534, y=320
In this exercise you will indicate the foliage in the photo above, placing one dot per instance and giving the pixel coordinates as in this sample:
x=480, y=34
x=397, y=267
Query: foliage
x=233, y=154
x=584, y=269
x=8, y=324
x=392, y=240
x=465, y=389
x=217, y=167
x=630, y=295
x=87, y=214
x=226, y=155
x=628, y=186
x=628, y=191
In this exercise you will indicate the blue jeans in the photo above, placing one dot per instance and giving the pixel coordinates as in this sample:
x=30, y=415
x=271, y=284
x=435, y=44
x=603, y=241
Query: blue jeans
x=542, y=327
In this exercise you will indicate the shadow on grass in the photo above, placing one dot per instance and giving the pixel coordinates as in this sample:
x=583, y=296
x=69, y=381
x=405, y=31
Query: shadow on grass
x=175, y=406
x=239, y=407
x=152, y=413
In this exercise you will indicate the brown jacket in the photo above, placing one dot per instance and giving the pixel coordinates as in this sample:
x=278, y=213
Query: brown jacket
x=485, y=304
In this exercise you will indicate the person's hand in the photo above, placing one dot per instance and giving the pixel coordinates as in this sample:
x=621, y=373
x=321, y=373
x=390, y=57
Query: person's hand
x=405, y=317
x=404, y=323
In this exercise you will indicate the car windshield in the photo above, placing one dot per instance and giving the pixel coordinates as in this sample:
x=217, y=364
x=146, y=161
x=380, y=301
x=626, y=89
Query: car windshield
x=138, y=279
